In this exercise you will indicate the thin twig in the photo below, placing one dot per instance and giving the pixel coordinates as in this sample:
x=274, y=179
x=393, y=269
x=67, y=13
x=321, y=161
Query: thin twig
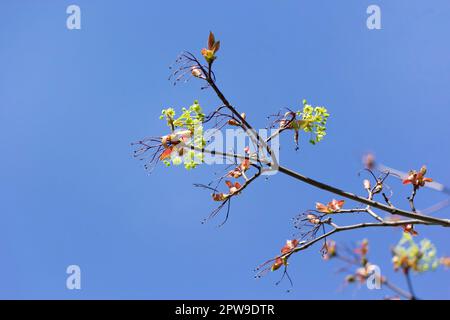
x=410, y=286
x=411, y=199
x=396, y=289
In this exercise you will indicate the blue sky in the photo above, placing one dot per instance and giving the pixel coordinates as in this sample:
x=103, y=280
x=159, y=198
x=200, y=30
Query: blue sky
x=71, y=101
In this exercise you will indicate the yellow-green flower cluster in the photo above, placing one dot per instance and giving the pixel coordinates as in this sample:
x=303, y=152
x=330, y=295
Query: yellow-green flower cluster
x=409, y=255
x=189, y=117
x=189, y=126
x=315, y=121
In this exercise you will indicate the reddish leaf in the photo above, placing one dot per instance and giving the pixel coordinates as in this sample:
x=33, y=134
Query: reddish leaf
x=166, y=154
x=321, y=207
x=277, y=264
x=211, y=40
x=218, y=196
x=216, y=47
x=290, y=245
x=336, y=205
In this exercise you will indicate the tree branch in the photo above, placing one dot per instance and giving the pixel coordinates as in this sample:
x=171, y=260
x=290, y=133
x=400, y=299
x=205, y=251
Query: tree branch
x=274, y=164
x=372, y=203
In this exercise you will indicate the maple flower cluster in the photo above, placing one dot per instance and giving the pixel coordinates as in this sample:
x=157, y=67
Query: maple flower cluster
x=186, y=134
x=407, y=255
x=310, y=119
